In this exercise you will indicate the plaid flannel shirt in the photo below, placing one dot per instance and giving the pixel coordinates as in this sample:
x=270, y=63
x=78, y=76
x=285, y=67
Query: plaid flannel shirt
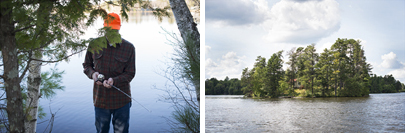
x=117, y=63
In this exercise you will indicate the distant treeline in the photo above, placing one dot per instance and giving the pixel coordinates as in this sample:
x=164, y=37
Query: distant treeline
x=223, y=87
x=379, y=84
x=386, y=84
x=341, y=70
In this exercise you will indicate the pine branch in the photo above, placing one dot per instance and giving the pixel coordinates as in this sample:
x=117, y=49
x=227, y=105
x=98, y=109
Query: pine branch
x=18, y=30
x=26, y=67
x=112, y=3
x=54, y=61
x=40, y=47
x=27, y=2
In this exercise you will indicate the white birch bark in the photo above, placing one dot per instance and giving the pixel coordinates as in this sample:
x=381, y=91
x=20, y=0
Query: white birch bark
x=33, y=94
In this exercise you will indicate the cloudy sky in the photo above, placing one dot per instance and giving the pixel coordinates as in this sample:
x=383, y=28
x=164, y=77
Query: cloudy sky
x=237, y=31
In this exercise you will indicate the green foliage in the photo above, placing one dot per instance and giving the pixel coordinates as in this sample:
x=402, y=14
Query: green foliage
x=283, y=88
x=94, y=14
x=339, y=71
x=263, y=79
x=259, y=74
x=112, y=36
x=246, y=81
x=41, y=113
x=158, y=12
x=185, y=76
x=348, y=66
x=223, y=87
x=187, y=118
x=97, y=45
x=324, y=71
x=352, y=88
x=291, y=92
x=51, y=81
x=108, y=36
x=274, y=74
x=307, y=60
x=386, y=84
x=186, y=58
x=292, y=71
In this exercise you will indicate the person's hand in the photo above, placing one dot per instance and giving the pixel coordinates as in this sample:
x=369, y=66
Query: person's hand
x=95, y=78
x=108, y=83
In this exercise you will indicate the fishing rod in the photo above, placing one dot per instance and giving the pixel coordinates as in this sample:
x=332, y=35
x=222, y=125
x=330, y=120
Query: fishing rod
x=100, y=78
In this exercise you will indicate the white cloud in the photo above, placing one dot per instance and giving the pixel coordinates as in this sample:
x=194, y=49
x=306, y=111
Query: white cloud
x=298, y=22
x=390, y=65
x=327, y=45
x=230, y=65
x=390, y=61
x=237, y=12
x=207, y=49
x=210, y=64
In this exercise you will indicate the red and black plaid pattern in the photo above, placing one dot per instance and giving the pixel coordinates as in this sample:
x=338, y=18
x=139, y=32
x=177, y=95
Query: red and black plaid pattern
x=117, y=63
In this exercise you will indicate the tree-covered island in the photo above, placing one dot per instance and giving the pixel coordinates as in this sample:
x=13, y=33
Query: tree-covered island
x=340, y=71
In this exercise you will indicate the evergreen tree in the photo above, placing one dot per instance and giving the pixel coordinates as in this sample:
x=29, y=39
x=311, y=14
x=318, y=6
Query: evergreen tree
x=310, y=58
x=235, y=87
x=292, y=70
x=340, y=62
x=259, y=77
x=246, y=82
x=325, y=70
x=274, y=74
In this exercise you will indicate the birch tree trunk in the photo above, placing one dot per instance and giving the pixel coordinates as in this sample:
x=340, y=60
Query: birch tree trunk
x=188, y=30
x=11, y=75
x=34, y=76
x=33, y=93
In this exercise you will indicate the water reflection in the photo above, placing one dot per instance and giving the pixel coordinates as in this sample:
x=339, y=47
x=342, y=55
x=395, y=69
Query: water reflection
x=377, y=113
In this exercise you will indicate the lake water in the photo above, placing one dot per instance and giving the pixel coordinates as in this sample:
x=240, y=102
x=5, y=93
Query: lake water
x=75, y=103
x=377, y=113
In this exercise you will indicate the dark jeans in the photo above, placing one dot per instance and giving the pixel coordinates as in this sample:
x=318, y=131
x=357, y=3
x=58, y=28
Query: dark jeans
x=120, y=119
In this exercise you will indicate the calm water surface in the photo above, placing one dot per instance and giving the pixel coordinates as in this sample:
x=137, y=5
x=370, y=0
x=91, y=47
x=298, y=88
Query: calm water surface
x=75, y=104
x=377, y=113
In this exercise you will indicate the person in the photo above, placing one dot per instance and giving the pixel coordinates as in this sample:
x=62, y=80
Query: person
x=117, y=64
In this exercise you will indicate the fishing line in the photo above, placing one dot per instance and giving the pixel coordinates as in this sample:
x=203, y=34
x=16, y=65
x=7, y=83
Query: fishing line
x=100, y=78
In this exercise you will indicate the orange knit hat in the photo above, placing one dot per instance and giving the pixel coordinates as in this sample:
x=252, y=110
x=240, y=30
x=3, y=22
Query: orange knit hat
x=113, y=21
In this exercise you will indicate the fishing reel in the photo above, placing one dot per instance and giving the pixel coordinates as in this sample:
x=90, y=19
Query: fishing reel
x=100, y=78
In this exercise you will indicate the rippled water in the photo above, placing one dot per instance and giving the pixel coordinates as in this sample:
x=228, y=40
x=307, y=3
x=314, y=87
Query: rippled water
x=377, y=113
